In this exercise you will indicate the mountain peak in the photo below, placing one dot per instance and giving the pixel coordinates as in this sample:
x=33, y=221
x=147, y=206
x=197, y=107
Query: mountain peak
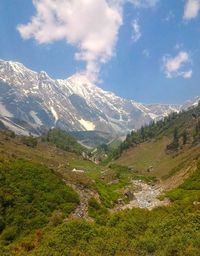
x=43, y=75
x=13, y=65
x=15, y=73
x=74, y=104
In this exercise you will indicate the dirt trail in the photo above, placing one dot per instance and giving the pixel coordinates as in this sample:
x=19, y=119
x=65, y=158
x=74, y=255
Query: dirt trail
x=84, y=195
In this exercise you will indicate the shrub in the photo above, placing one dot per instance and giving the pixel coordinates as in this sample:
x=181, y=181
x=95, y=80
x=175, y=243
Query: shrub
x=29, y=194
x=29, y=141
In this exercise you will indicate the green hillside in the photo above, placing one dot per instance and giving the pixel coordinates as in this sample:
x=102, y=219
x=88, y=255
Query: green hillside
x=165, y=147
x=173, y=230
x=55, y=202
x=64, y=141
x=30, y=196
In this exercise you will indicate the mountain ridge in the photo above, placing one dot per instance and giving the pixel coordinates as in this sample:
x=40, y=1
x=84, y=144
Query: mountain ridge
x=73, y=104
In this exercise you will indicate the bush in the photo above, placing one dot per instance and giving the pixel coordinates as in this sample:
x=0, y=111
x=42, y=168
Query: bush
x=2, y=224
x=96, y=210
x=9, y=234
x=29, y=194
x=29, y=141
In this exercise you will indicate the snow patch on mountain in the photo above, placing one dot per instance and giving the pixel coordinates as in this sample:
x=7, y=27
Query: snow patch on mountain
x=54, y=113
x=4, y=111
x=35, y=117
x=89, y=126
x=14, y=127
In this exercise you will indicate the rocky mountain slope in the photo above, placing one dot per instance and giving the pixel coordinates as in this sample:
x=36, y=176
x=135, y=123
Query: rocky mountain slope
x=33, y=102
x=190, y=103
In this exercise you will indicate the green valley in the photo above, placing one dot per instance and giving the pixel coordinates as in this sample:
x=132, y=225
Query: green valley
x=144, y=199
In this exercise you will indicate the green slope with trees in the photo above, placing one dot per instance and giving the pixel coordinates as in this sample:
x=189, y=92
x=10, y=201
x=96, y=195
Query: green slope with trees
x=183, y=127
x=64, y=141
x=163, y=148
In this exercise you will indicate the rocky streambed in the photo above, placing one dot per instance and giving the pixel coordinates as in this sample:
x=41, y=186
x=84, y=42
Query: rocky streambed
x=144, y=196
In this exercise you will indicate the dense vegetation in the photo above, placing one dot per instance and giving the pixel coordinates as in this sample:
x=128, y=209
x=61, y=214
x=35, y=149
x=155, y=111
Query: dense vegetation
x=64, y=141
x=92, y=138
x=169, y=231
x=30, y=194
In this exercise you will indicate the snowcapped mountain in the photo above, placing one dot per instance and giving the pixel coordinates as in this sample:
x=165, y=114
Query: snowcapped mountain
x=161, y=110
x=33, y=102
x=191, y=103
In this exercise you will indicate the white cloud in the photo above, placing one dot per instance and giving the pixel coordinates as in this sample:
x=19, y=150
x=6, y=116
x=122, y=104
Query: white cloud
x=187, y=74
x=90, y=25
x=136, y=30
x=177, y=66
x=192, y=8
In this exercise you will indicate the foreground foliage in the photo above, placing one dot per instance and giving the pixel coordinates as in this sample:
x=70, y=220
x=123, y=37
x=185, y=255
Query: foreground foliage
x=166, y=231
x=29, y=195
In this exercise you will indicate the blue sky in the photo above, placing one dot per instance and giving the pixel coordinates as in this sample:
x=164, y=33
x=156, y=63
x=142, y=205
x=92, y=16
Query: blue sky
x=146, y=50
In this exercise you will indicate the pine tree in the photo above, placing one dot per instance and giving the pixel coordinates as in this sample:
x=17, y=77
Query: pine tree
x=198, y=127
x=196, y=136
x=142, y=131
x=185, y=137
x=175, y=143
x=175, y=135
